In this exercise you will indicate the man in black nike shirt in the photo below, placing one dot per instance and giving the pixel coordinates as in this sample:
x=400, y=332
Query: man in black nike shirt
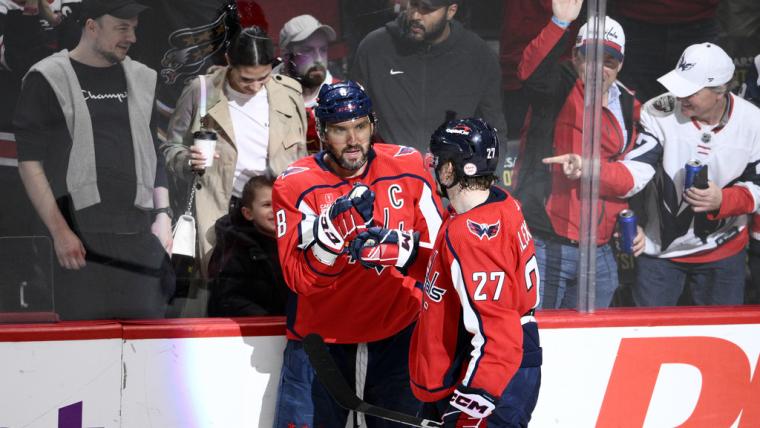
x=88, y=160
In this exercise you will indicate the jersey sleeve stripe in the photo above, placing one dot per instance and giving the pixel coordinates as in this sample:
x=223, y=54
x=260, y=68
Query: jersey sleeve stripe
x=306, y=225
x=470, y=316
x=433, y=218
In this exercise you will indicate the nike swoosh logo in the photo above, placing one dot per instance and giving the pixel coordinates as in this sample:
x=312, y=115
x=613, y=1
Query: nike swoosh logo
x=395, y=72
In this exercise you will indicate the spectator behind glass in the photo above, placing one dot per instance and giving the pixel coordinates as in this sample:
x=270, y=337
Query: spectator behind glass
x=751, y=92
x=696, y=236
x=303, y=42
x=425, y=67
x=244, y=267
x=551, y=197
x=88, y=160
x=29, y=31
x=657, y=31
x=260, y=124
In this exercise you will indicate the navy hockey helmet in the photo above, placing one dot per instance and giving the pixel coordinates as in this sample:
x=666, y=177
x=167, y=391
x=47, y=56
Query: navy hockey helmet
x=340, y=102
x=470, y=144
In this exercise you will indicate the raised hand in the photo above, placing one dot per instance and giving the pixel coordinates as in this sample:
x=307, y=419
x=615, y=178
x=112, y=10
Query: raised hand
x=566, y=10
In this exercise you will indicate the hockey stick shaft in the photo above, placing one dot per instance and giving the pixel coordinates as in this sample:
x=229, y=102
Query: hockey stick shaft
x=332, y=379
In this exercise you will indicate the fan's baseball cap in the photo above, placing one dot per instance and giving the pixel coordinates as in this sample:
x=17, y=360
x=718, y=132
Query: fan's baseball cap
x=614, y=38
x=301, y=27
x=122, y=9
x=700, y=66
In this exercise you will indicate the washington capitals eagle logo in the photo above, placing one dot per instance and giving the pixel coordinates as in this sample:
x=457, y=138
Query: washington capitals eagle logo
x=293, y=170
x=482, y=230
x=404, y=151
x=683, y=65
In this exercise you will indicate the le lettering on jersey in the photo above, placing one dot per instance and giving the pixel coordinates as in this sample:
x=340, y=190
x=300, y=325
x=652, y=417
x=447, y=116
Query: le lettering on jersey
x=347, y=303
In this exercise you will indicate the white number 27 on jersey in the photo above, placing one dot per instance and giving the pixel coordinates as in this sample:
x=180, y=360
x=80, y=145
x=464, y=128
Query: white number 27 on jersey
x=482, y=278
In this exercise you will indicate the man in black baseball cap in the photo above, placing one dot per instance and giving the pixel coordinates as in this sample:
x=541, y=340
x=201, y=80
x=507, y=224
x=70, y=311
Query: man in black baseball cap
x=122, y=9
x=108, y=30
x=87, y=157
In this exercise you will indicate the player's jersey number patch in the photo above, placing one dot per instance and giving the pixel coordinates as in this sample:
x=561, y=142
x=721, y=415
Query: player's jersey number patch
x=482, y=278
x=282, y=225
x=497, y=277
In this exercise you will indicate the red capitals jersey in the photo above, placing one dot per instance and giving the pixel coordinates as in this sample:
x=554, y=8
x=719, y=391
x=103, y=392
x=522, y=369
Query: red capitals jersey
x=347, y=303
x=482, y=278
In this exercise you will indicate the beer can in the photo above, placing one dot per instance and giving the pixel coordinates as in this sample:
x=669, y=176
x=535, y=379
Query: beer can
x=627, y=227
x=691, y=170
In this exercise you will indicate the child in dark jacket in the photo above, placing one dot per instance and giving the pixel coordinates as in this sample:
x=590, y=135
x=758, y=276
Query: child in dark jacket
x=244, y=267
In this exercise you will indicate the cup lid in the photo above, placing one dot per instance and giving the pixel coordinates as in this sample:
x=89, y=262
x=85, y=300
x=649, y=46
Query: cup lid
x=204, y=135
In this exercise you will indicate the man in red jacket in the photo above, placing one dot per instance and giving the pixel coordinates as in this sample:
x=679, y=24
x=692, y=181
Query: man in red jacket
x=551, y=195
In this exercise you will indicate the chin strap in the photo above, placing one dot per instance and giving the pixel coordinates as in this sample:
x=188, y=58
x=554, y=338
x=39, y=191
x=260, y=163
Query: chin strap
x=444, y=188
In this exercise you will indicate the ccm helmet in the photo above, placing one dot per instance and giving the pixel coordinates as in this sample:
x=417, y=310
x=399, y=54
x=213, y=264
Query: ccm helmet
x=340, y=102
x=470, y=144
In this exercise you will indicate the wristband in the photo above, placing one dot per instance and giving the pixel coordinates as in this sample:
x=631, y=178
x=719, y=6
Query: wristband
x=560, y=23
x=167, y=210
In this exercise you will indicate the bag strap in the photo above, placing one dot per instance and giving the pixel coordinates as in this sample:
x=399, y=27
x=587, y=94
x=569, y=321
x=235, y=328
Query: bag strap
x=202, y=115
x=191, y=195
x=202, y=108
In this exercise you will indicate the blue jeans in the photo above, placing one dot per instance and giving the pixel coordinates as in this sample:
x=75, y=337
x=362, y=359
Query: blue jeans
x=558, y=267
x=302, y=401
x=660, y=282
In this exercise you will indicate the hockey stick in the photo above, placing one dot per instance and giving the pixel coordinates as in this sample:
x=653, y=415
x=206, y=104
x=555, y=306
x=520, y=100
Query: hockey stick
x=332, y=379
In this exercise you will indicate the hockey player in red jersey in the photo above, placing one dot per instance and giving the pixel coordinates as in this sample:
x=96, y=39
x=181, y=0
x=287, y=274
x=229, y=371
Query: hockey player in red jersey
x=475, y=356
x=321, y=203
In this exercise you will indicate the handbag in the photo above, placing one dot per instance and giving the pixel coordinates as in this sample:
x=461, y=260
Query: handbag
x=184, y=229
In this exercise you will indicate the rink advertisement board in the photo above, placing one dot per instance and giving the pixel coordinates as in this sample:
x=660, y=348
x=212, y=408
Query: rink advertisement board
x=695, y=367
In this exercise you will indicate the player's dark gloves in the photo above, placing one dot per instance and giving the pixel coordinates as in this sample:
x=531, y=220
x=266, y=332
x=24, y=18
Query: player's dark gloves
x=341, y=222
x=385, y=247
x=469, y=407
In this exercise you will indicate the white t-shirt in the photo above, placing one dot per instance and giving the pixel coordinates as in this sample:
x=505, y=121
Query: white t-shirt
x=250, y=120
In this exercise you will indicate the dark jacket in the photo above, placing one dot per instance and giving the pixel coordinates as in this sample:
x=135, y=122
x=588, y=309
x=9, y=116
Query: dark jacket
x=414, y=85
x=246, y=278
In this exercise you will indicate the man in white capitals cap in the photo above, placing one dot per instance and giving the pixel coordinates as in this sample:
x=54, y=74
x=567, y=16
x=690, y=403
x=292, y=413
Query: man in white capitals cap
x=303, y=45
x=694, y=215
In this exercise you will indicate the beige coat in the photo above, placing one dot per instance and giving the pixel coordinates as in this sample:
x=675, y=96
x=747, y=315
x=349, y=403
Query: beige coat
x=287, y=143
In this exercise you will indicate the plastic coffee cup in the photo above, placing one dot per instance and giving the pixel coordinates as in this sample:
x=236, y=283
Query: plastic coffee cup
x=205, y=141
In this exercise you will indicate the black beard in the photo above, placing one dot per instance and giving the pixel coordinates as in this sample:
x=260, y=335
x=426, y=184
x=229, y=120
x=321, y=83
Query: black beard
x=310, y=81
x=342, y=162
x=433, y=34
